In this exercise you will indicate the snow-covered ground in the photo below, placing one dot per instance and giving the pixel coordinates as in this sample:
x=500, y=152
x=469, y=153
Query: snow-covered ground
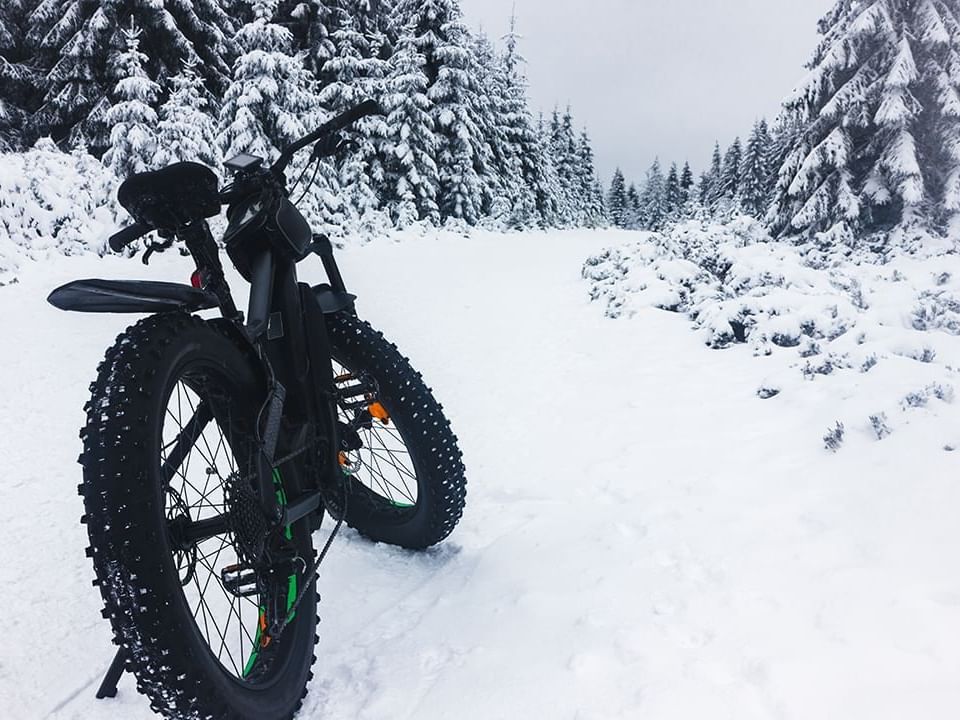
x=644, y=537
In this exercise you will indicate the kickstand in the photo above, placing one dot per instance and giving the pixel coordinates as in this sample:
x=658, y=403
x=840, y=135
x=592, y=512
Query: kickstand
x=108, y=688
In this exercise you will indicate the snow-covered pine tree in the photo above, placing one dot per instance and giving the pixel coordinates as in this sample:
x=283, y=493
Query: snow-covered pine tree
x=686, y=184
x=313, y=23
x=730, y=173
x=673, y=194
x=940, y=23
x=617, y=206
x=711, y=184
x=74, y=46
x=634, y=217
x=209, y=28
x=466, y=179
x=785, y=135
x=132, y=119
x=704, y=189
x=599, y=201
x=880, y=115
x=755, y=172
x=412, y=176
x=42, y=16
x=563, y=150
x=16, y=74
x=594, y=210
x=535, y=204
x=356, y=73
x=653, y=202
x=463, y=157
x=71, y=60
x=271, y=100
x=554, y=213
x=493, y=115
x=187, y=130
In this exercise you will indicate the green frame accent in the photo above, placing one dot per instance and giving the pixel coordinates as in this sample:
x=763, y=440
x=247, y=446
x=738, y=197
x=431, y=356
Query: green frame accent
x=292, y=589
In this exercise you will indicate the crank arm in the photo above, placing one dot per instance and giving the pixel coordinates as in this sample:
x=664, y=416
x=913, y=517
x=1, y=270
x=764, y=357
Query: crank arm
x=301, y=507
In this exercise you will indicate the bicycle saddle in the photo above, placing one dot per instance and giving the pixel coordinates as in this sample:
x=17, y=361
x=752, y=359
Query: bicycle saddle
x=171, y=197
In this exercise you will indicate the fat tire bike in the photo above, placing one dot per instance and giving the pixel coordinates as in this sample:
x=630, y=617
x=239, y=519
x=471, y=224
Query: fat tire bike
x=214, y=446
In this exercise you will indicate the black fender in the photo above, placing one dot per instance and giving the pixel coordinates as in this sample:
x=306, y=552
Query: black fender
x=130, y=296
x=333, y=301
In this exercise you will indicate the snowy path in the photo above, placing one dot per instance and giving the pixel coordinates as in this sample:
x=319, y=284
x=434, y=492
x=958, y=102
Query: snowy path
x=643, y=537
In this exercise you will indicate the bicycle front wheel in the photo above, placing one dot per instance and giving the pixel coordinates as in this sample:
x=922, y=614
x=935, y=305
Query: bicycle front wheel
x=405, y=475
x=191, y=576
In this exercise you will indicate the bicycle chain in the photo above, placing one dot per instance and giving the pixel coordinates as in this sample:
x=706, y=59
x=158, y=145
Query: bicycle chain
x=276, y=629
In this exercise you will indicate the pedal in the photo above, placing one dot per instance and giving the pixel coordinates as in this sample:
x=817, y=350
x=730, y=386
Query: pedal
x=239, y=580
x=355, y=392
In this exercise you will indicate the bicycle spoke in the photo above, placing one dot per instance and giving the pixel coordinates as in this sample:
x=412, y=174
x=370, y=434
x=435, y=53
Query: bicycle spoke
x=184, y=441
x=197, y=504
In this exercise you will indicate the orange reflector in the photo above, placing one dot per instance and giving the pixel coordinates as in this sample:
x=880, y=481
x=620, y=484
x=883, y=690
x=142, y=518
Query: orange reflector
x=342, y=457
x=264, y=638
x=379, y=412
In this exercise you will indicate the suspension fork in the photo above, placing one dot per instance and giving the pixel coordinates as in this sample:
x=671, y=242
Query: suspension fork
x=294, y=413
x=321, y=381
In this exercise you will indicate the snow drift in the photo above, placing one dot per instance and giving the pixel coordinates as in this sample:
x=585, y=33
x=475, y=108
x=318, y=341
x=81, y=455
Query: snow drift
x=51, y=201
x=882, y=330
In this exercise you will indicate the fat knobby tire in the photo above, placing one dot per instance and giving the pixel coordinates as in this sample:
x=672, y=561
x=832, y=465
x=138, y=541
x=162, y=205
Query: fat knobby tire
x=129, y=546
x=441, y=481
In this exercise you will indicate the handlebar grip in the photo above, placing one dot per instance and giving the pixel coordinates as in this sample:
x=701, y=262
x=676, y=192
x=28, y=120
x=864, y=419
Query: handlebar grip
x=364, y=109
x=341, y=121
x=120, y=240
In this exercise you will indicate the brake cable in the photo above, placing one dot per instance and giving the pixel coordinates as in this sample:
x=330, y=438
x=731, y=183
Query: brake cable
x=299, y=179
x=154, y=247
x=313, y=178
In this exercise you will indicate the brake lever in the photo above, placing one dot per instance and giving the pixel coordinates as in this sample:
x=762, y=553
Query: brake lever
x=327, y=147
x=347, y=144
x=156, y=247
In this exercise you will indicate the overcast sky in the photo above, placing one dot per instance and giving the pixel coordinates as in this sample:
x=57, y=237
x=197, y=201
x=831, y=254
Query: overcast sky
x=659, y=77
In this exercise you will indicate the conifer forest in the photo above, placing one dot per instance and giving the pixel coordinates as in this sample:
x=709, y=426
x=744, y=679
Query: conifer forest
x=140, y=84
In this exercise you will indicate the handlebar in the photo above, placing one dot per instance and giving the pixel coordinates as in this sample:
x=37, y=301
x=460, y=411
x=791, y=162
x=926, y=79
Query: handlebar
x=120, y=240
x=128, y=235
x=345, y=119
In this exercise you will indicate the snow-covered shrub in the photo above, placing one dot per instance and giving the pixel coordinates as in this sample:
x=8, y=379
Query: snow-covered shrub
x=937, y=309
x=833, y=439
x=879, y=424
x=732, y=281
x=53, y=201
x=765, y=392
x=865, y=328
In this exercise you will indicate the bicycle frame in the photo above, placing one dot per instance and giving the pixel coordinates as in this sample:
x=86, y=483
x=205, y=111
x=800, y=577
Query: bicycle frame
x=284, y=326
